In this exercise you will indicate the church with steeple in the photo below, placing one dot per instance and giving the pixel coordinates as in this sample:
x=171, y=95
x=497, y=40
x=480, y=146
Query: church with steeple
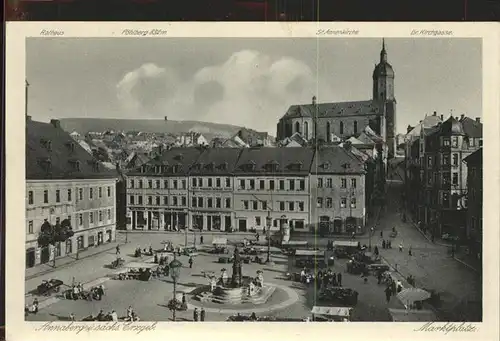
x=364, y=122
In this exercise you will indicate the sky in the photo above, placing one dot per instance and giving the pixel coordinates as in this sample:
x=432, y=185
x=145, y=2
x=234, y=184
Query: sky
x=245, y=81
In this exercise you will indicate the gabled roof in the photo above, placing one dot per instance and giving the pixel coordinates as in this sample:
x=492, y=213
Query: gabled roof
x=336, y=160
x=451, y=127
x=51, y=153
x=471, y=127
x=174, y=161
x=339, y=109
x=215, y=161
x=475, y=158
x=274, y=161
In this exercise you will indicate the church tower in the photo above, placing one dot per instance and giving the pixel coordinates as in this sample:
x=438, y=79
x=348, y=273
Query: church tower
x=383, y=94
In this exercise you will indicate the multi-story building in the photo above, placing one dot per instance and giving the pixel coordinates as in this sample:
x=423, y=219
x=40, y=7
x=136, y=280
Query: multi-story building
x=211, y=201
x=474, y=228
x=275, y=182
x=443, y=175
x=63, y=181
x=157, y=191
x=337, y=191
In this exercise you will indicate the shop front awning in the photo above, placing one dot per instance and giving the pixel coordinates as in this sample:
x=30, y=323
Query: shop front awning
x=331, y=311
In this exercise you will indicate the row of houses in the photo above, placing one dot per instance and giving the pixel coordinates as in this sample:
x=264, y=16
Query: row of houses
x=237, y=188
x=438, y=179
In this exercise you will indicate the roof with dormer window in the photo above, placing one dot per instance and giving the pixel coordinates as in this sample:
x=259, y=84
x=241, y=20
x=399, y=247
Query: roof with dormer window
x=52, y=154
x=336, y=159
x=174, y=161
x=215, y=161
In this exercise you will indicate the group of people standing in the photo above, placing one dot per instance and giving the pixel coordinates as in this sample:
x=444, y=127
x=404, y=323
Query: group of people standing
x=199, y=315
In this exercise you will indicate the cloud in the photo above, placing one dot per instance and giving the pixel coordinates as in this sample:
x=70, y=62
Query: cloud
x=249, y=89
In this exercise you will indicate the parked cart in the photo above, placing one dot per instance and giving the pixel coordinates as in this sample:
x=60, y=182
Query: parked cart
x=49, y=287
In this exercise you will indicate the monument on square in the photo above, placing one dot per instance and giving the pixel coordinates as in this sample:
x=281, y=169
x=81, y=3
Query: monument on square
x=237, y=276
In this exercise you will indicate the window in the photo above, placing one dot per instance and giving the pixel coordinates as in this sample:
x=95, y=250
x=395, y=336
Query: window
x=264, y=205
x=228, y=182
x=353, y=202
x=320, y=182
x=184, y=201
x=343, y=182
x=291, y=206
x=271, y=185
x=141, y=184
x=80, y=219
x=58, y=195
x=193, y=182
x=30, y=198
x=242, y=184
x=446, y=200
x=429, y=161
x=446, y=142
x=30, y=227
x=109, y=214
x=140, y=199
x=91, y=193
x=210, y=182
x=329, y=183
x=58, y=220
x=91, y=217
x=454, y=141
x=302, y=185
x=194, y=202
x=282, y=185
x=245, y=204
x=217, y=183
x=209, y=202
x=353, y=183
x=132, y=183
x=445, y=159
x=455, y=179
x=183, y=182
x=455, y=159
x=480, y=143
x=175, y=184
x=255, y=205
x=69, y=195
x=291, y=184
x=80, y=193
x=252, y=184
x=329, y=202
x=257, y=221
x=157, y=184
x=165, y=183
x=158, y=201
x=200, y=182
x=228, y=202
x=45, y=197
x=100, y=215
x=200, y=202
x=262, y=184
x=446, y=178
x=131, y=200
x=165, y=200
x=319, y=203
x=100, y=192
x=150, y=200
x=150, y=183
x=282, y=205
x=343, y=202
x=218, y=202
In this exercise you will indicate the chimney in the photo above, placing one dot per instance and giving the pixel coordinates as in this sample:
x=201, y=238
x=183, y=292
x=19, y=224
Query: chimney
x=435, y=113
x=462, y=117
x=478, y=119
x=56, y=123
x=442, y=117
x=314, y=100
x=420, y=121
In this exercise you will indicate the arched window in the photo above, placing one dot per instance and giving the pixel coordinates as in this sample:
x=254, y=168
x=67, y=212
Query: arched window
x=297, y=127
x=341, y=128
x=328, y=133
x=355, y=127
x=306, y=130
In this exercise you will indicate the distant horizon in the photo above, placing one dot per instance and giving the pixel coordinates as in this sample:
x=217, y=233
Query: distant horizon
x=245, y=82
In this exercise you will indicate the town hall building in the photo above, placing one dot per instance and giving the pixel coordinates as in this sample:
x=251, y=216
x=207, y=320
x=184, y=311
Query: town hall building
x=337, y=122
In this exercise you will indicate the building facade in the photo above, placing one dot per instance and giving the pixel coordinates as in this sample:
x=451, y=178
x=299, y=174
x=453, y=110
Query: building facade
x=272, y=182
x=338, y=191
x=63, y=181
x=211, y=184
x=158, y=191
x=332, y=121
x=474, y=227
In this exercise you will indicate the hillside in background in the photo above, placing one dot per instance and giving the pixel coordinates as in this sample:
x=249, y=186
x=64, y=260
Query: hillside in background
x=209, y=130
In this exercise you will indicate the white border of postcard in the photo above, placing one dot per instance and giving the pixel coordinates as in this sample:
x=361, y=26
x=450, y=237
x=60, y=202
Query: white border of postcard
x=18, y=329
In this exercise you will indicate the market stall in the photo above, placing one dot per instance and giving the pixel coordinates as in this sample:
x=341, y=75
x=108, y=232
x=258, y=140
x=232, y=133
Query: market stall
x=289, y=247
x=310, y=259
x=331, y=314
x=345, y=249
x=137, y=270
x=219, y=246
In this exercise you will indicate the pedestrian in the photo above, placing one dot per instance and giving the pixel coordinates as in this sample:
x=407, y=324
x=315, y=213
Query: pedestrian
x=201, y=239
x=202, y=315
x=383, y=244
x=114, y=315
x=379, y=278
x=376, y=250
x=390, y=244
x=381, y=234
x=72, y=317
x=117, y=249
x=183, y=299
x=190, y=262
x=35, y=306
x=409, y=251
x=195, y=315
x=400, y=247
x=388, y=293
x=339, y=279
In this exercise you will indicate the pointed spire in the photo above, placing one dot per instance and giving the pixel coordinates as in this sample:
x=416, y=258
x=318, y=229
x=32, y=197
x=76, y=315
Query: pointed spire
x=383, y=53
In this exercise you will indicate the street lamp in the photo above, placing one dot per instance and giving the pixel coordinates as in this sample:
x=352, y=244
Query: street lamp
x=185, y=236
x=370, y=240
x=175, y=271
x=269, y=221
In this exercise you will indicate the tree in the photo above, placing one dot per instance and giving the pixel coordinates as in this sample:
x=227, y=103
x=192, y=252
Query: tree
x=53, y=234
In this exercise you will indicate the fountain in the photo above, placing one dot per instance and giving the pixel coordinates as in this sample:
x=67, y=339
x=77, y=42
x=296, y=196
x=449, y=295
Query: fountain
x=238, y=289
